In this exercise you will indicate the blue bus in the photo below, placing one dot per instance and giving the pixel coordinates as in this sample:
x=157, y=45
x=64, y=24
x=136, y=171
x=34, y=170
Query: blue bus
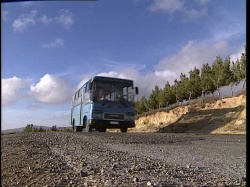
x=104, y=103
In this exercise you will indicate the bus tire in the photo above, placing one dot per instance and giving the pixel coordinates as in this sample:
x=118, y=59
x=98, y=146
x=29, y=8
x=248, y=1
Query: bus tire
x=77, y=129
x=73, y=124
x=102, y=129
x=88, y=128
x=124, y=129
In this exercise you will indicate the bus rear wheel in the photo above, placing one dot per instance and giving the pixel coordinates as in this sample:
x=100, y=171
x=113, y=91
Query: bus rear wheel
x=88, y=128
x=77, y=129
x=124, y=129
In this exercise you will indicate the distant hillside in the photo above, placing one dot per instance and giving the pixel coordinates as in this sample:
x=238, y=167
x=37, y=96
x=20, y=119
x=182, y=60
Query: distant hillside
x=8, y=131
x=17, y=130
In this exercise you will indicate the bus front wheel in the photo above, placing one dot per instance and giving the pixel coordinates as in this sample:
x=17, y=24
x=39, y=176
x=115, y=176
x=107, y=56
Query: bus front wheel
x=102, y=129
x=124, y=129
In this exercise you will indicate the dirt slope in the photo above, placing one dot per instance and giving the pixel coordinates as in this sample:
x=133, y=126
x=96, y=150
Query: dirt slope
x=224, y=116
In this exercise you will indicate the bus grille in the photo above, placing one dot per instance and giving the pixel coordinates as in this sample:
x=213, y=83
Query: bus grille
x=114, y=116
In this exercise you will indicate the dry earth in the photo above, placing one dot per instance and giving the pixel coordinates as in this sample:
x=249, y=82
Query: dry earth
x=58, y=159
x=68, y=159
x=224, y=116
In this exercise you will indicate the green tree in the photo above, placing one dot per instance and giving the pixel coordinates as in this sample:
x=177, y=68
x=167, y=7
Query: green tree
x=175, y=88
x=137, y=104
x=243, y=61
x=142, y=105
x=166, y=96
x=40, y=129
x=169, y=94
x=231, y=74
x=28, y=128
x=162, y=99
x=236, y=73
x=207, y=85
x=154, y=98
x=145, y=104
x=53, y=128
x=183, y=87
x=218, y=76
x=194, y=83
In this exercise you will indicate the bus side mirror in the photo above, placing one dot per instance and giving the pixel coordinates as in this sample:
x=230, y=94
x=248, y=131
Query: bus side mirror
x=136, y=90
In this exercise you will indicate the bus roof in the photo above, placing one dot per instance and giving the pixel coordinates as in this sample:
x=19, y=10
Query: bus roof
x=111, y=79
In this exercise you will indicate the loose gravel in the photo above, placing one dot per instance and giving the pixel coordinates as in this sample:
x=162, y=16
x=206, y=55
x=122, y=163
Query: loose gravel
x=122, y=159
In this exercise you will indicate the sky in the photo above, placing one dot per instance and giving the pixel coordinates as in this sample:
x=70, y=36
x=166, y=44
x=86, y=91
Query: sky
x=50, y=48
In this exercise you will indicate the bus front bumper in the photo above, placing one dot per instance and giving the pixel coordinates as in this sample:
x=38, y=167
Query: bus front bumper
x=110, y=124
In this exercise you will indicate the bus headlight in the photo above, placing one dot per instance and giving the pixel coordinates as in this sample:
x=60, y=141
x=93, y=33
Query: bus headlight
x=97, y=114
x=130, y=116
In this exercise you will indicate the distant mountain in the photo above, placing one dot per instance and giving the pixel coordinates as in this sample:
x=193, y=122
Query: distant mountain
x=7, y=131
x=11, y=130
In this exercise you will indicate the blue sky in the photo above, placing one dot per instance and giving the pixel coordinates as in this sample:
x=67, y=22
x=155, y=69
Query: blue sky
x=50, y=48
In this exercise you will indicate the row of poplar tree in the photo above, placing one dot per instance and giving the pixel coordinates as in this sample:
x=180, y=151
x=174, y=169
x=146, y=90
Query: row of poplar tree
x=200, y=82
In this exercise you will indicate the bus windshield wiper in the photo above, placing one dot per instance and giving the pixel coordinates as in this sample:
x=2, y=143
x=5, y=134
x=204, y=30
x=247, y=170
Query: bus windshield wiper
x=104, y=102
x=123, y=102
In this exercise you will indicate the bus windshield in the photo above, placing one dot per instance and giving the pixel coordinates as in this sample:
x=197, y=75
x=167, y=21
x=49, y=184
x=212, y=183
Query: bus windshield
x=112, y=91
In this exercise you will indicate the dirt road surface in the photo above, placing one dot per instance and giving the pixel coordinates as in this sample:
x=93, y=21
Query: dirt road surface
x=122, y=159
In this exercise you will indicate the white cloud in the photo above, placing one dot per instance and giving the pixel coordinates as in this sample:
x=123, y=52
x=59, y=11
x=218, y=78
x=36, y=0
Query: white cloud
x=230, y=29
x=113, y=74
x=26, y=4
x=4, y=14
x=59, y=115
x=238, y=54
x=191, y=55
x=165, y=73
x=84, y=79
x=193, y=14
x=12, y=90
x=66, y=18
x=24, y=20
x=121, y=65
x=202, y=2
x=124, y=74
x=169, y=6
x=57, y=43
x=170, y=67
x=45, y=20
x=174, y=6
x=145, y=82
x=51, y=90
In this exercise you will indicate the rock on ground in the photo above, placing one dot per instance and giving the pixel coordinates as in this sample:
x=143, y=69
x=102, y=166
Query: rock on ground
x=122, y=159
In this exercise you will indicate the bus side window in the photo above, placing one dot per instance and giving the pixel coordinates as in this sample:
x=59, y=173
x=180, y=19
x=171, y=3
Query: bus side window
x=80, y=92
x=130, y=95
x=91, y=86
x=125, y=95
x=112, y=96
x=83, y=91
x=87, y=88
x=74, y=99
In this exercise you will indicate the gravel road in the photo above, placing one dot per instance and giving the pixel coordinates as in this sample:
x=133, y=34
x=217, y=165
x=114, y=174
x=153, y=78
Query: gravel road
x=122, y=159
